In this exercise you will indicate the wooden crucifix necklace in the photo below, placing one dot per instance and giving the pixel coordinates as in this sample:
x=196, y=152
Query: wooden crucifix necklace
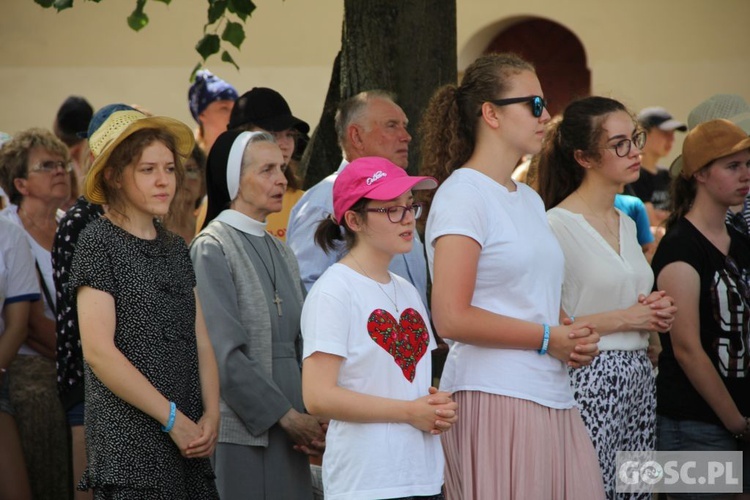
x=276, y=299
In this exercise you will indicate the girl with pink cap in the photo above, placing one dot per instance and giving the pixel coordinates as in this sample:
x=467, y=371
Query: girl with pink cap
x=367, y=364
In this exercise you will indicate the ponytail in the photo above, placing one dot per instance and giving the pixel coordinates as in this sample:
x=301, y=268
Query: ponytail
x=449, y=124
x=559, y=174
x=330, y=234
x=327, y=234
x=682, y=192
x=446, y=142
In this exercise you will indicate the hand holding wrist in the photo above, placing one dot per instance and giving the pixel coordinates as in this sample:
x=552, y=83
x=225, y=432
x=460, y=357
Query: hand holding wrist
x=741, y=430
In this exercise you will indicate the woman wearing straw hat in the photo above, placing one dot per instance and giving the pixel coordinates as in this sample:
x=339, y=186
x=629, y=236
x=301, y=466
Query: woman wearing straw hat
x=250, y=285
x=151, y=380
x=704, y=369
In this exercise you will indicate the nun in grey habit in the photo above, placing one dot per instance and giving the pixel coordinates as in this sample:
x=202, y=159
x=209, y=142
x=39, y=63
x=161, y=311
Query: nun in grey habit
x=250, y=289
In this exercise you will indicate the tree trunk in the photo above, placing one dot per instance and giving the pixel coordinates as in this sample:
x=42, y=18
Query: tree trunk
x=404, y=46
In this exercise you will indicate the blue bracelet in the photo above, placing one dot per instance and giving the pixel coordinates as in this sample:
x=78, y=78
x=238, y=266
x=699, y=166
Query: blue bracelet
x=545, y=340
x=170, y=422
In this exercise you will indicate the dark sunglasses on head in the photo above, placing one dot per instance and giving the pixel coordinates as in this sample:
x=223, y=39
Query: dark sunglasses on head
x=536, y=102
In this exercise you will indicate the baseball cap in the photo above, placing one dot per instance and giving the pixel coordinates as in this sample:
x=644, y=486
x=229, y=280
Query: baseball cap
x=375, y=178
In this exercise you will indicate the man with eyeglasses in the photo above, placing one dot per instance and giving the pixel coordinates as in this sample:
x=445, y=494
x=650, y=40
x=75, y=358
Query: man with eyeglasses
x=652, y=187
x=367, y=124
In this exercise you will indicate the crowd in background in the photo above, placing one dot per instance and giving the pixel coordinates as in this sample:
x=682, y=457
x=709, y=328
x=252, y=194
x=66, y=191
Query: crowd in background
x=181, y=320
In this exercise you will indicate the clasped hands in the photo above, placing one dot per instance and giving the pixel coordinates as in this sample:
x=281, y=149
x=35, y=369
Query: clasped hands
x=576, y=343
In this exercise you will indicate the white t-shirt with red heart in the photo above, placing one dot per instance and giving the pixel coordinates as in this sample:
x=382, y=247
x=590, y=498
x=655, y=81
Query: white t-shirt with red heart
x=386, y=353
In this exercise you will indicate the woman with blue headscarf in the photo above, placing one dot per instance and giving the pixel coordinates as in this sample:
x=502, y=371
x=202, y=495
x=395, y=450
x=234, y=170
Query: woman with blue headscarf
x=211, y=100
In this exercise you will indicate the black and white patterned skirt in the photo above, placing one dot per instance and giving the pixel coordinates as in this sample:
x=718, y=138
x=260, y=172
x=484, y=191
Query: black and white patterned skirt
x=616, y=396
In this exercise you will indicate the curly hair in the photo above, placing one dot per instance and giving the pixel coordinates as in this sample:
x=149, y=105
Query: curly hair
x=14, y=157
x=580, y=129
x=449, y=124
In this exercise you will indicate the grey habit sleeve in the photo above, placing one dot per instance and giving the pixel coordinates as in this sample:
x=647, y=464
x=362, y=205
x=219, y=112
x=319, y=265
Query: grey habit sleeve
x=249, y=392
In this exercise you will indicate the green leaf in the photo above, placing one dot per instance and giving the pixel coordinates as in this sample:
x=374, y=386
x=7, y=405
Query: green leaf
x=234, y=34
x=208, y=45
x=195, y=70
x=63, y=4
x=138, y=19
x=164, y=1
x=216, y=9
x=242, y=8
x=45, y=3
x=227, y=58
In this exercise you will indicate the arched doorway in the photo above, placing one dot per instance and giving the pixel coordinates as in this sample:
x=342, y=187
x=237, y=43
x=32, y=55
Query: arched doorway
x=557, y=53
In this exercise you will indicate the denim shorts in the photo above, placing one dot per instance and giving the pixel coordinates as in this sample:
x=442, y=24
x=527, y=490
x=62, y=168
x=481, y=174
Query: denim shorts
x=5, y=405
x=75, y=415
x=693, y=435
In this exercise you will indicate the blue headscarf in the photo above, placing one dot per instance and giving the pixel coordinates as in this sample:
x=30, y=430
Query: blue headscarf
x=206, y=89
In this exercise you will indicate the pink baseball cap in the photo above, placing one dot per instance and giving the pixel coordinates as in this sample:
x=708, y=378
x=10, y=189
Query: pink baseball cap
x=374, y=178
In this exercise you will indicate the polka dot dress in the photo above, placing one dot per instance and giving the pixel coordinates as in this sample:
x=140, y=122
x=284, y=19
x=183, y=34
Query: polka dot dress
x=152, y=283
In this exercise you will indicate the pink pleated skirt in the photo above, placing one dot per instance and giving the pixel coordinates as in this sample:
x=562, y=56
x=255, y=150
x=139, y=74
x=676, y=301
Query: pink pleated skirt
x=509, y=448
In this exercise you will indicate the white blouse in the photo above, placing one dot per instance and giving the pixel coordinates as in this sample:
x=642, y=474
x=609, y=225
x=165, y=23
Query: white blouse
x=597, y=278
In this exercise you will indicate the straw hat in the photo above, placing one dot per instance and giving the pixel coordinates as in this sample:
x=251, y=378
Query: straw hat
x=113, y=124
x=709, y=141
x=727, y=106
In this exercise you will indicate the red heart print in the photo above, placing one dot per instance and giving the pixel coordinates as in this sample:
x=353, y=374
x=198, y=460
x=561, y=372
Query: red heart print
x=406, y=341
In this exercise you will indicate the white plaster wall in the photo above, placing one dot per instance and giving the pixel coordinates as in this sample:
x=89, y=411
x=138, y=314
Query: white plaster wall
x=90, y=50
x=672, y=53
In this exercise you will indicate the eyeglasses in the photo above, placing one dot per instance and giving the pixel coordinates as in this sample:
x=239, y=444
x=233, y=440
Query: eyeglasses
x=537, y=103
x=622, y=148
x=397, y=213
x=49, y=166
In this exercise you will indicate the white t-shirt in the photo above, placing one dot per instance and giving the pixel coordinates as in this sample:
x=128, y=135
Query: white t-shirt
x=44, y=258
x=343, y=315
x=597, y=279
x=18, y=281
x=519, y=274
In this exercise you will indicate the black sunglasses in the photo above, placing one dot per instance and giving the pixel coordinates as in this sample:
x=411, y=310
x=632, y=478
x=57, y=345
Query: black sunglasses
x=537, y=103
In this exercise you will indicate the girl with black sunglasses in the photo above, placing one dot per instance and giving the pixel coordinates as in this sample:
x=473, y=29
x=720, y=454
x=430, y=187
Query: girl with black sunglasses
x=497, y=274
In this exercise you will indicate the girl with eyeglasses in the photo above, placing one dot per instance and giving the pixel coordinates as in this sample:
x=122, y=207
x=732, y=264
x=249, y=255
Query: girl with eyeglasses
x=497, y=274
x=367, y=363
x=703, y=385
x=591, y=153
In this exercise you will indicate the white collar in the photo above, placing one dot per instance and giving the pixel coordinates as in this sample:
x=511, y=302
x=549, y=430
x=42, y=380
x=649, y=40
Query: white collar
x=242, y=222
